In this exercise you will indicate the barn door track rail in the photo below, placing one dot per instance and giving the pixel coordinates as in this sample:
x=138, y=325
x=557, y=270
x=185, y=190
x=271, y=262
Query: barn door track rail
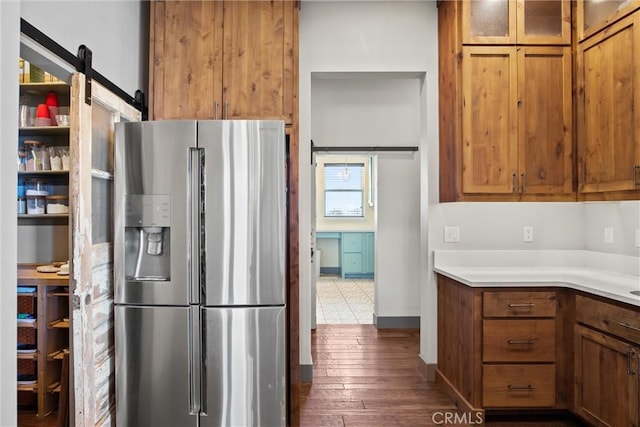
x=82, y=62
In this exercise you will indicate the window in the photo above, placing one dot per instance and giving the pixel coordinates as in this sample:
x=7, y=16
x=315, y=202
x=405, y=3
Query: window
x=343, y=189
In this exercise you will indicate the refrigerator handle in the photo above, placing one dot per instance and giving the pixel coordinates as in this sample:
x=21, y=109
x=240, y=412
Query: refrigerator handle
x=193, y=198
x=194, y=360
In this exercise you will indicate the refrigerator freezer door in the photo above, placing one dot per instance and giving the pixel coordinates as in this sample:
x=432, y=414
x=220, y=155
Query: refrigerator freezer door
x=153, y=383
x=245, y=211
x=244, y=355
x=153, y=247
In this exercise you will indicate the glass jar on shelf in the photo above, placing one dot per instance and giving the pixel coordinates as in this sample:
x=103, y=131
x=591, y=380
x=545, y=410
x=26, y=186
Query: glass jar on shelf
x=37, y=156
x=22, y=159
x=36, y=187
x=36, y=205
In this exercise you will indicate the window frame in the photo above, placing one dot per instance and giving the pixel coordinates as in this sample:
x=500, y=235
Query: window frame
x=361, y=190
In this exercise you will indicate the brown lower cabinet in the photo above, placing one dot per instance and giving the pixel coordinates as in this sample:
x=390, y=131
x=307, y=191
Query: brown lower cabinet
x=529, y=349
x=504, y=348
x=607, y=367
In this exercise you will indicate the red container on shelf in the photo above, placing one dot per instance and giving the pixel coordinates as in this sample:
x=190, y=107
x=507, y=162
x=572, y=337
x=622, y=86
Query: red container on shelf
x=52, y=99
x=42, y=112
x=52, y=104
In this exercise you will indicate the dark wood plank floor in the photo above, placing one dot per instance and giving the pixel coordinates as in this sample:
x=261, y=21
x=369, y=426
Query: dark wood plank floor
x=368, y=377
x=28, y=419
x=363, y=376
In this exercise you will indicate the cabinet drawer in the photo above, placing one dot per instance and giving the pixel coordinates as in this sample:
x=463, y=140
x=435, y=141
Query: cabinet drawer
x=616, y=320
x=517, y=386
x=352, y=263
x=351, y=242
x=522, y=340
x=519, y=304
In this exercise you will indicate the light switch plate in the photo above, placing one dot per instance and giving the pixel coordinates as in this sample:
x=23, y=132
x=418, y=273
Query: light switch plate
x=608, y=235
x=451, y=234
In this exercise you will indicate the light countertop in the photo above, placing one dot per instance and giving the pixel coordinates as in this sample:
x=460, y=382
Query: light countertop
x=606, y=275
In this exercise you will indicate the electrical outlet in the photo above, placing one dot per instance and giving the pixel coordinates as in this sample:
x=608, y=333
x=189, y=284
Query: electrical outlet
x=527, y=234
x=452, y=234
x=638, y=238
x=608, y=235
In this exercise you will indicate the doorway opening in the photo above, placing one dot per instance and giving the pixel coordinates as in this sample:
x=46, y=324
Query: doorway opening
x=345, y=225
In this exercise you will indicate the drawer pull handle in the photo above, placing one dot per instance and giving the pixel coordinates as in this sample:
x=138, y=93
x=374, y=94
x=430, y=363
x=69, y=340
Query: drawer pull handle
x=520, y=387
x=529, y=341
x=520, y=305
x=628, y=326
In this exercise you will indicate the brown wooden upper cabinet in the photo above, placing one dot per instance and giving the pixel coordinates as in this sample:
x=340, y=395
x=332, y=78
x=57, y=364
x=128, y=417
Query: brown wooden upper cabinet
x=608, y=106
x=594, y=15
x=222, y=59
x=516, y=120
x=545, y=22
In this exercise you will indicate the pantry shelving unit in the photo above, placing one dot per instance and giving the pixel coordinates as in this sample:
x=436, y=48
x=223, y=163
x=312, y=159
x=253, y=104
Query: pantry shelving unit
x=50, y=333
x=43, y=238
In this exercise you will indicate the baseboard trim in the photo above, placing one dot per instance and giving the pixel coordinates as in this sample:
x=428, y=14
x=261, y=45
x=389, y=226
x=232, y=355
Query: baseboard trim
x=399, y=322
x=427, y=370
x=358, y=276
x=305, y=373
x=461, y=403
x=331, y=270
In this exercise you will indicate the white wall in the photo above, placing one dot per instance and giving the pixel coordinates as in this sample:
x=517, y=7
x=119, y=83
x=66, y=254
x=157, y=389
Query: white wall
x=117, y=33
x=9, y=52
x=486, y=225
x=364, y=38
x=624, y=217
x=397, y=273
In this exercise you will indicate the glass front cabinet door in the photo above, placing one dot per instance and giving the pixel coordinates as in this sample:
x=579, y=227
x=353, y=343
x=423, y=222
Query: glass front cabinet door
x=517, y=22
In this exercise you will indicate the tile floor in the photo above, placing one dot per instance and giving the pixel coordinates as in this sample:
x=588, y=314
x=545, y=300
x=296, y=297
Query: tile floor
x=344, y=301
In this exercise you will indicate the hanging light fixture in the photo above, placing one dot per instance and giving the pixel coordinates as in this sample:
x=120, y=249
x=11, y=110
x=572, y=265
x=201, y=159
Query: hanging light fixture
x=345, y=173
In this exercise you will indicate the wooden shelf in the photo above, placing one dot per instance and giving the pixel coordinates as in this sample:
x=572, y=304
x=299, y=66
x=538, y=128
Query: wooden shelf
x=28, y=276
x=41, y=88
x=54, y=387
x=58, y=293
x=58, y=323
x=47, y=172
x=28, y=387
x=34, y=216
x=44, y=130
x=33, y=325
x=57, y=354
x=28, y=356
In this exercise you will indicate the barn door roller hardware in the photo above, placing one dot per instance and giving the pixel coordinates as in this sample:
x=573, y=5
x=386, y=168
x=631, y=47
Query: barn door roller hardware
x=84, y=66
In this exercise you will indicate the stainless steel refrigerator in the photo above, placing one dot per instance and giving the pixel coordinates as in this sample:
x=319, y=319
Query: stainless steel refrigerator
x=200, y=273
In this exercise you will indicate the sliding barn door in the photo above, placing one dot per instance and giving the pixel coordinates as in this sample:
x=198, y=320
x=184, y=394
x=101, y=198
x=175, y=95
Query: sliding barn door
x=91, y=196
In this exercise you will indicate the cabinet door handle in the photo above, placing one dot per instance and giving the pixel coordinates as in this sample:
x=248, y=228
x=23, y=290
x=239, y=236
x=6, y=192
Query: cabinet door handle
x=520, y=387
x=523, y=178
x=217, y=105
x=631, y=355
x=628, y=326
x=530, y=341
x=226, y=110
x=514, y=184
x=636, y=169
x=521, y=305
